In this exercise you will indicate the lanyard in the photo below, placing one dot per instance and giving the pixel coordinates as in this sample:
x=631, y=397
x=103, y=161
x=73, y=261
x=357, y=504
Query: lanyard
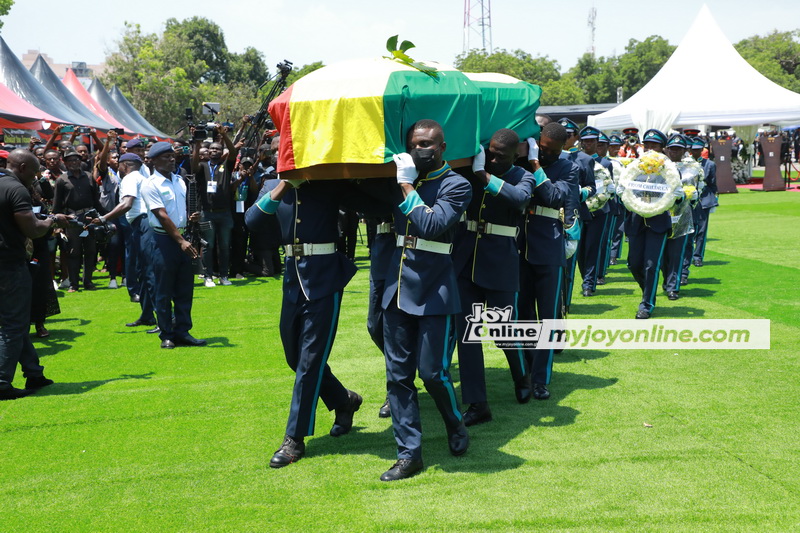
x=212, y=170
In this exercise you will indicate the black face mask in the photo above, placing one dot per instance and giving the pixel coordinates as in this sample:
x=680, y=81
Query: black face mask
x=497, y=170
x=546, y=160
x=424, y=160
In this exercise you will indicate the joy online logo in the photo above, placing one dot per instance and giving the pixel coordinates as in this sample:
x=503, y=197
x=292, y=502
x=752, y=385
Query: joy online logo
x=499, y=325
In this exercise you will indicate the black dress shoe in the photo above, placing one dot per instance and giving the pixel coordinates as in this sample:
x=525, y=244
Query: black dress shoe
x=697, y=263
x=89, y=286
x=344, y=415
x=522, y=389
x=477, y=413
x=168, y=344
x=458, y=439
x=12, y=393
x=642, y=314
x=154, y=330
x=137, y=323
x=684, y=281
x=37, y=382
x=540, y=391
x=188, y=340
x=290, y=452
x=601, y=281
x=587, y=292
x=612, y=261
x=672, y=295
x=402, y=469
x=385, y=411
x=135, y=298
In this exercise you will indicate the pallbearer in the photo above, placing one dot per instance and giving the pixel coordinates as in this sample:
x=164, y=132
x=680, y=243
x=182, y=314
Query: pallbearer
x=681, y=219
x=594, y=227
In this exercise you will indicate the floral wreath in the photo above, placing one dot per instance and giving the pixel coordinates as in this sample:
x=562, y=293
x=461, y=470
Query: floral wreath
x=652, y=173
x=598, y=200
x=692, y=177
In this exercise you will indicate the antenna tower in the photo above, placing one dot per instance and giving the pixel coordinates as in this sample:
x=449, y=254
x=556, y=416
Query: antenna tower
x=592, y=23
x=478, y=25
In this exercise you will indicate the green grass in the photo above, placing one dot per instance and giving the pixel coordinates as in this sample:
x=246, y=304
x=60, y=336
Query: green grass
x=137, y=438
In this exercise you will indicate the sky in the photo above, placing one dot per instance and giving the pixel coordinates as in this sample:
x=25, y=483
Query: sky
x=305, y=31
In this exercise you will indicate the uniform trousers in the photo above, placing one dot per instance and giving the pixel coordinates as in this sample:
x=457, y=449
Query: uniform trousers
x=617, y=234
x=418, y=345
x=15, y=324
x=174, y=284
x=470, y=355
x=540, y=299
x=687, y=258
x=132, y=282
x=605, y=246
x=590, y=249
x=700, y=231
x=673, y=263
x=645, y=253
x=308, y=328
x=569, y=278
x=375, y=312
x=81, y=250
x=141, y=247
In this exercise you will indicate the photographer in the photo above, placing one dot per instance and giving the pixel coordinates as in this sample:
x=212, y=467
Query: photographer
x=77, y=193
x=18, y=222
x=108, y=180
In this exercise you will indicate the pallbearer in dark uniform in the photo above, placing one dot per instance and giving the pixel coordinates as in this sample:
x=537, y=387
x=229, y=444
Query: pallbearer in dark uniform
x=676, y=243
x=314, y=279
x=164, y=194
x=603, y=142
x=647, y=239
x=617, y=211
x=486, y=260
x=541, y=240
x=587, y=188
x=594, y=227
x=421, y=295
x=708, y=201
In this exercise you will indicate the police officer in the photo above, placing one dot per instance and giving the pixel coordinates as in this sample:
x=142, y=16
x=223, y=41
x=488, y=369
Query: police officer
x=595, y=228
x=421, y=295
x=164, y=194
x=587, y=188
x=313, y=284
x=647, y=238
x=672, y=265
x=603, y=146
x=618, y=213
x=708, y=201
x=486, y=259
x=542, y=239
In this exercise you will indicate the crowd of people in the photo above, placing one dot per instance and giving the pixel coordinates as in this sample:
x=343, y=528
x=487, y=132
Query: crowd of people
x=506, y=233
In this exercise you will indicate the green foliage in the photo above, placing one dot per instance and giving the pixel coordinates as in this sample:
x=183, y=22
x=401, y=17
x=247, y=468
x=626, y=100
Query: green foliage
x=520, y=64
x=400, y=55
x=776, y=56
x=207, y=43
x=597, y=78
x=5, y=7
x=641, y=61
x=563, y=91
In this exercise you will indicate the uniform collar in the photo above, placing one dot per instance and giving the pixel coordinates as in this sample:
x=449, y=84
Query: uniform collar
x=436, y=174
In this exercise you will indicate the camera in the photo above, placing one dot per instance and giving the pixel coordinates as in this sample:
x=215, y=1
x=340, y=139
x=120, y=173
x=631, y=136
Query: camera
x=84, y=130
x=67, y=129
x=285, y=67
x=101, y=232
x=120, y=131
x=202, y=130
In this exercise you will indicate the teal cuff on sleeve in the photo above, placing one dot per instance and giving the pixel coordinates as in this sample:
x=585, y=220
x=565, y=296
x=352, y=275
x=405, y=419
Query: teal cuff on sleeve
x=494, y=185
x=539, y=176
x=412, y=200
x=267, y=204
x=584, y=194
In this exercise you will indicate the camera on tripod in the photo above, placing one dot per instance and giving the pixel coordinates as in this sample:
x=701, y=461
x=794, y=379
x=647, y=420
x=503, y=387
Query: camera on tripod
x=201, y=130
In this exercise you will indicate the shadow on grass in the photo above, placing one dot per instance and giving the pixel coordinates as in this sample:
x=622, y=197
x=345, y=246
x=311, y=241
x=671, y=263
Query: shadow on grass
x=695, y=292
x=714, y=262
x=704, y=281
x=580, y=308
x=218, y=342
x=677, y=312
x=85, y=386
x=59, y=340
x=602, y=291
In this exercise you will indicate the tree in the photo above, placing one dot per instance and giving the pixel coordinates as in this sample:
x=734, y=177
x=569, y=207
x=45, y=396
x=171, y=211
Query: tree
x=207, y=43
x=247, y=67
x=564, y=91
x=5, y=7
x=519, y=64
x=776, y=56
x=641, y=61
x=598, y=78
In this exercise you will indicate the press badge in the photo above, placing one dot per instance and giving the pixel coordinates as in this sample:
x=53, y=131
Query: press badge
x=240, y=206
x=212, y=187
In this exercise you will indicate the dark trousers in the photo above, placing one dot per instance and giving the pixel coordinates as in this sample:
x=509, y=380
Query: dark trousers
x=672, y=265
x=218, y=236
x=617, y=234
x=348, y=232
x=470, y=355
x=418, y=345
x=605, y=246
x=142, y=245
x=590, y=249
x=700, y=232
x=115, y=250
x=569, y=277
x=308, y=329
x=239, y=237
x=174, y=285
x=375, y=312
x=540, y=299
x=645, y=253
x=15, y=324
x=687, y=257
x=81, y=250
x=131, y=257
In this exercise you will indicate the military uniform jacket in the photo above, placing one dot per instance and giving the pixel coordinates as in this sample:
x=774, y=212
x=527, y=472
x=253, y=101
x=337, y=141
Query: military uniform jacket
x=708, y=198
x=586, y=178
x=308, y=214
x=424, y=283
x=492, y=261
x=380, y=255
x=542, y=238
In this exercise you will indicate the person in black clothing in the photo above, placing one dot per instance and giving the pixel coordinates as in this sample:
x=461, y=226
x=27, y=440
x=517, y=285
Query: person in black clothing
x=77, y=193
x=18, y=222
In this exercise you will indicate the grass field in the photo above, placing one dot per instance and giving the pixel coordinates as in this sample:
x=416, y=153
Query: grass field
x=135, y=438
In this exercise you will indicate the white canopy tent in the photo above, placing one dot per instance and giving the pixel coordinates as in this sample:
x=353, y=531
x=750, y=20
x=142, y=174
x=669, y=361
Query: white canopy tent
x=705, y=81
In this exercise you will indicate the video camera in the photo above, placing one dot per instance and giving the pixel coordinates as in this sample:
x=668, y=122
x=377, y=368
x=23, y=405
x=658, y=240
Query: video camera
x=101, y=232
x=202, y=130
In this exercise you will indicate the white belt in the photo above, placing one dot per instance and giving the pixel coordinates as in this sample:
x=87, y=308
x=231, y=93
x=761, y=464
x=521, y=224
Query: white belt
x=310, y=248
x=385, y=227
x=415, y=243
x=544, y=211
x=487, y=228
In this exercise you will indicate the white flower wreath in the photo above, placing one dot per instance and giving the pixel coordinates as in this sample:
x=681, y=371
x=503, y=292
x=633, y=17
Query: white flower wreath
x=649, y=184
x=602, y=178
x=692, y=176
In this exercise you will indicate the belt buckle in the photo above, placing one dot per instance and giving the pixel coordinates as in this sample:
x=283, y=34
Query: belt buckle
x=481, y=227
x=409, y=241
x=298, y=250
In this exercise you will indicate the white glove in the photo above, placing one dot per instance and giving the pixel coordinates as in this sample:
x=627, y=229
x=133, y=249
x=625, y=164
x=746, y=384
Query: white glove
x=479, y=161
x=406, y=170
x=679, y=193
x=533, y=149
x=611, y=189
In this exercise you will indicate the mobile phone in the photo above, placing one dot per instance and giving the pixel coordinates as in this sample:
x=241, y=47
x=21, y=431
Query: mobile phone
x=120, y=131
x=67, y=129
